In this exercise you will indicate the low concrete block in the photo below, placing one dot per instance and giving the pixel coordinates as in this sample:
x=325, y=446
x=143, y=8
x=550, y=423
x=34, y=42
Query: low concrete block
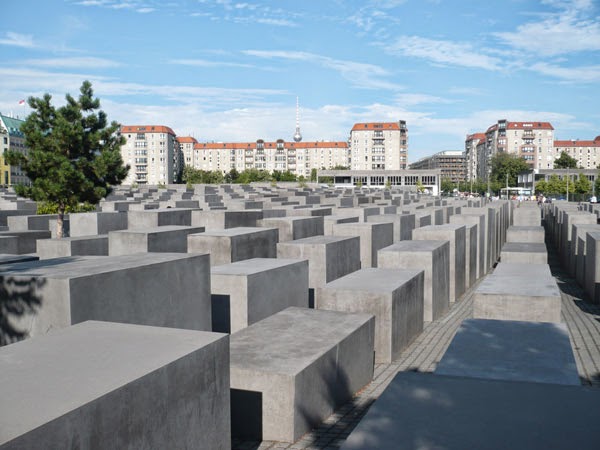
x=525, y=234
x=165, y=239
x=94, y=223
x=21, y=242
x=330, y=221
x=107, y=385
x=292, y=228
x=158, y=218
x=73, y=246
x=527, y=216
x=161, y=289
x=393, y=296
x=245, y=292
x=433, y=258
x=524, y=253
x=235, y=244
x=434, y=411
x=373, y=236
x=403, y=224
x=222, y=220
x=512, y=351
x=292, y=370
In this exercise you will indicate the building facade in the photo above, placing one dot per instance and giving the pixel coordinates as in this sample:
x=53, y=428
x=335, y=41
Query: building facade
x=472, y=156
x=150, y=151
x=12, y=138
x=451, y=164
x=587, y=153
x=379, y=146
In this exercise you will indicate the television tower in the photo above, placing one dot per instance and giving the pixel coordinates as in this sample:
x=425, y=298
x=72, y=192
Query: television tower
x=297, y=135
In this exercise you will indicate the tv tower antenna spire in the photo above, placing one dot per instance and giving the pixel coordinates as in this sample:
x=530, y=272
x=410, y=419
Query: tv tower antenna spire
x=297, y=135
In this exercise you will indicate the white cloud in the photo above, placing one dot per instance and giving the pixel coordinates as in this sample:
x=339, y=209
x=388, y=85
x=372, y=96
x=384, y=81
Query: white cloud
x=17, y=40
x=442, y=52
x=210, y=64
x=583, y=74
x=72, y=62
x=419, y=99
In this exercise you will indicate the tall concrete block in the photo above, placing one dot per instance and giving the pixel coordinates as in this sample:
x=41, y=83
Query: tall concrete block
x=292, y=228
x=403, y=224
x=94, y=223
x=160, y=289
x=330, y=221
x=329, y=258
x=433, y=257
x=165, y=239
x=245, y=292
x=159, y=217
x=592, y=266
x=578, y=247
x=456, y=235
x=292, y=370
x=567, y=250
x=482, y=214
x=470, y=220
x=528, y=216
x=393, y=296
x=108, y=385
x=373, y=236
x=235, y=244
x=222, y=220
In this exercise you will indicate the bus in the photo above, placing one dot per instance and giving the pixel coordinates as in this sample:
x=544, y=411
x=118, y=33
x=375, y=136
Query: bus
x=515, y=192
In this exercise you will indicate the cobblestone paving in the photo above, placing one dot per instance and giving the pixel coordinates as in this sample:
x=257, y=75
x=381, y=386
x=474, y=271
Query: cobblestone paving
x=582, y=319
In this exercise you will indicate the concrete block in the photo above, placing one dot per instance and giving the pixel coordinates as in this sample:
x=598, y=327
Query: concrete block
x=330, y=221
x=21, y=242
x=73, y=246
x=373, y=236
x=245, y=292
x=403, y=224
x=291, y=371
x=527, y=216
x=6, y=259
x=533, y=234
x=94, y=223
x=161, y=289
x=165, y=239
x=470, y=220
x=511, y=351
x=222, y=220
x=107, y=385
x=292, y=228
x=235, y=244
x=579, y=231
x=455, y=234
x=433, y=257
x=329, y=258
x=534, y=271
x=434, y=411
x=393, y=296
x=34, y=222
x=158, y=218
x=592, y=266
x=524, y=252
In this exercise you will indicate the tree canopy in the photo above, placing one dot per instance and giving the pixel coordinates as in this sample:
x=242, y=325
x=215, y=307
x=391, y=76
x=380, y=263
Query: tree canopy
x=504, y=164
x=74, y=154
x=564, y=161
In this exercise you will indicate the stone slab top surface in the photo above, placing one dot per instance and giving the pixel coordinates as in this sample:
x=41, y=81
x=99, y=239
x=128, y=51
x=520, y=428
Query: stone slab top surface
x=531, y=271
x=90, y=237
x=524, y=247
x=511, y=350
x=423, y=411
x=253, y=265
x=318, y=240
x=415, y=246
x=526, y=228
x=289, y=341
x=236, y=231
x=444, y=227
x=160, y=210
x=70, y=367
x=373, y=280
x=519, y=285
x=156, y=230
x=81, y=266
x=9, y=259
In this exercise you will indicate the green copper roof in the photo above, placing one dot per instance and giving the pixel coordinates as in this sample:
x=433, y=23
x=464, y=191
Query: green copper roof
x=13, y=125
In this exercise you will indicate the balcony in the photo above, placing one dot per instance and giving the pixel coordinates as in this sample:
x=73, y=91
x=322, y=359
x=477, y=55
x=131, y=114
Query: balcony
x=529, y=134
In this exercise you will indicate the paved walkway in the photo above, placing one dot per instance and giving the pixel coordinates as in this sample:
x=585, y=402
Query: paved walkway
x=582, y=319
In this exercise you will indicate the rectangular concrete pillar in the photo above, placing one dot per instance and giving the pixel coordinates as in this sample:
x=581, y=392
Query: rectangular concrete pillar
x=373, y=236
x=165, y=239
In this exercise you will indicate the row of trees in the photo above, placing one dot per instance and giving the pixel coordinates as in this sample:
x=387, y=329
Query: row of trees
x=199, y=176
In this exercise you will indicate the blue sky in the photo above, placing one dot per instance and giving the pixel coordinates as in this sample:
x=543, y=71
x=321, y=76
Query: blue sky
x=222, y=70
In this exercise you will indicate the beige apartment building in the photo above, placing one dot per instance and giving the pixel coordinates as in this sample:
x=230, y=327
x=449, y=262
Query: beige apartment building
x=297, y=157
x=587, y=153
x=150, y=150
x=379, y=146
x=472, y=144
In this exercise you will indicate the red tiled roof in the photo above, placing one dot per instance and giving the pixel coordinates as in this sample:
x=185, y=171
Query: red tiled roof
x=187, y=140
x=530, y=125
x=252, y=145
x=376, y=126
x=146, y=129
x=594, y=143
x=474, y=136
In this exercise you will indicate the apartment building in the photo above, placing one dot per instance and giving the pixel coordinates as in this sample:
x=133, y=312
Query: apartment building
x=11, y=138
x=471, y=154
x=379, y=146
x=451, y=164
x=151, y=151
x=587, y=153
x=297, y=157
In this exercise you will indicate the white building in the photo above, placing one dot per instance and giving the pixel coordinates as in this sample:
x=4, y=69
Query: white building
x=379, y=146
x=587, y=153
x=150, y=150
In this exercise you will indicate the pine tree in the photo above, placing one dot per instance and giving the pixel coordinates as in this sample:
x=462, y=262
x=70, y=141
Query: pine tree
x=74, y=155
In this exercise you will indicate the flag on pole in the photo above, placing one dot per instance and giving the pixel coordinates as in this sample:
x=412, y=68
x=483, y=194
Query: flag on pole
x=22, y=102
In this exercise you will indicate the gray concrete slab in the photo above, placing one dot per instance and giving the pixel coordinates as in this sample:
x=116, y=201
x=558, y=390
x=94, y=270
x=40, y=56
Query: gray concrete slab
x=532, y=234
x=168, y=238
x=428, y=411
x=73, y=246
x=433, y=257
x=511, y=351
x=373, y=237
x=304, y=363
x=292, y=228
x=479, y=258
x=94, y=223
x=245, y=292
x=159, y=217
x=524, y=253
x=105, y=385
x=393, y=296
x=221, y=220
x=403, y=224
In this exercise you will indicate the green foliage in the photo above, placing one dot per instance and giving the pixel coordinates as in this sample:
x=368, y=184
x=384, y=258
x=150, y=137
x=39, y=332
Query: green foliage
x=340, y=167
x=447, y=185
x=541, y=187
x=313, y=175
x=564, y=161
x=283, y=176
x=388, y=185
x=253, y=175
x=232, y=176
x=506, y=163
x=161, y=185
x=52, y=208
x=74, y=154
x=556, y=186
x=193, y=176
x=582, y=185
